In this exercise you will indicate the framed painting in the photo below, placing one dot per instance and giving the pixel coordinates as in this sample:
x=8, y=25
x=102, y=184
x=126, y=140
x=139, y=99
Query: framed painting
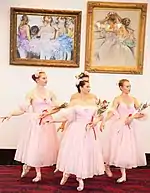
x=115, y=37
x=41, y=37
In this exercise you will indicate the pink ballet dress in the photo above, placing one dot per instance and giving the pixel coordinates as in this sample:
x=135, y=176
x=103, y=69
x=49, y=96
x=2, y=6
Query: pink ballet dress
x=122, y=146
x=80, y=153
x=38, y=144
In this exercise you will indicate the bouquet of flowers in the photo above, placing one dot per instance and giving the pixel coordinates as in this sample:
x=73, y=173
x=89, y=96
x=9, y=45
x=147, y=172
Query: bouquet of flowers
x=101, y=108
x=142, y=107
x=46, y=113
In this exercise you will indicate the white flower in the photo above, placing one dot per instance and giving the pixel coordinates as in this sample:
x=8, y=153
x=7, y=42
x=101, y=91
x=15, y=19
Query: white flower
x=78, y=81
x=37, y=73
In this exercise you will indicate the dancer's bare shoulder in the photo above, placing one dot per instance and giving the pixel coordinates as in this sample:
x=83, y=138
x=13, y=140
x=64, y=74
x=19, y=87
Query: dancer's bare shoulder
x=117, y=99
x=30, y=94
x=74, y=102
x=74, y=96
x=93, y=96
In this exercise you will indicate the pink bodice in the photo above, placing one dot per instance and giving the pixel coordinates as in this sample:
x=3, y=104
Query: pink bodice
x=124, y=110
x=38, y=105
x=84, y=113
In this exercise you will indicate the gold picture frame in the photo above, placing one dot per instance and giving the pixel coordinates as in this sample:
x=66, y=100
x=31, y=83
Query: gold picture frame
x=40, y=37
x=115, y=37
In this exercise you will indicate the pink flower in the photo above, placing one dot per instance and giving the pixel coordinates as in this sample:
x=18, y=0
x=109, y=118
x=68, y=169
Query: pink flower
x=86, y=73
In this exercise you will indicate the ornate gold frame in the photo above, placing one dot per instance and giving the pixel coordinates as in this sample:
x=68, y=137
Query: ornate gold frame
x=14, y=11
x=141, y=38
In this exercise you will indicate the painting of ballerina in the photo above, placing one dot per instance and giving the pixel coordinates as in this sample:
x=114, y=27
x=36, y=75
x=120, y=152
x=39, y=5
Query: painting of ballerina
x=45, y=37
x=115, y=41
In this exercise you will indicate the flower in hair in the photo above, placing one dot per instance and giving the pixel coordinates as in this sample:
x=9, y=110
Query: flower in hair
x=37, y=73
x=86, y=73
x=78, y=81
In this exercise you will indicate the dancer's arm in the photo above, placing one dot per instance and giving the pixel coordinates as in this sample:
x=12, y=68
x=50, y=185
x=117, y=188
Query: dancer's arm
x=96, y=121
x=65, y=115
x=54, y=99
x=136, y=115
x=111, y=113
x=137, y=105
x=62, y=127
x=96, y=118
x=56, y=106
x=21, y=110
x=28, y=32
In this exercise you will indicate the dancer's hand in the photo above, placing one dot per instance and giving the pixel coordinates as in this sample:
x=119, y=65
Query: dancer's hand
x=139, y=115
x=91, y=125
x=61, y=128
x=102, y=127
x=128, y=120
x=47, y=113
x=6, y=118
x=44, y=114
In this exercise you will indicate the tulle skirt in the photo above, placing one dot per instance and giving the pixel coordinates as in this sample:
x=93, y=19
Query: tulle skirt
x=38, y=144
x=80, y=154
x=122, y=146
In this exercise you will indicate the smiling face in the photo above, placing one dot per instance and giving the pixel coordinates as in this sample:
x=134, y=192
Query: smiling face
x=85, y=89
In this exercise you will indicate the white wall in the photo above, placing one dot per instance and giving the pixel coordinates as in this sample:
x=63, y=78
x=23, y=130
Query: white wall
x=15, y=81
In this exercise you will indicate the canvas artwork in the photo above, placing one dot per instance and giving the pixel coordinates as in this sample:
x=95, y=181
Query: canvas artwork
x=45, y=37
x=115, y=40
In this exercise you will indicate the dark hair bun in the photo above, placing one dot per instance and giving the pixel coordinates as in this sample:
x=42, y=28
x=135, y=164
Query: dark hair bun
x=34, y=77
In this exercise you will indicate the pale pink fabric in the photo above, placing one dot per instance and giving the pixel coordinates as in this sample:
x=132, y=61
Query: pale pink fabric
x=122, y=146
x=80, y=154
x=38, y=145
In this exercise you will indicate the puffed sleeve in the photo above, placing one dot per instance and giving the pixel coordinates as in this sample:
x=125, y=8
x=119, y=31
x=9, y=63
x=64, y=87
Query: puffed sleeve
x=67, y=114
x=54, y=99
x=26, y=104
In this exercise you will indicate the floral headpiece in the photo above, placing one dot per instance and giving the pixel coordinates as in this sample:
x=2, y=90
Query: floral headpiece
x=80, y=76
x=78, y=81
x=37, y=73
